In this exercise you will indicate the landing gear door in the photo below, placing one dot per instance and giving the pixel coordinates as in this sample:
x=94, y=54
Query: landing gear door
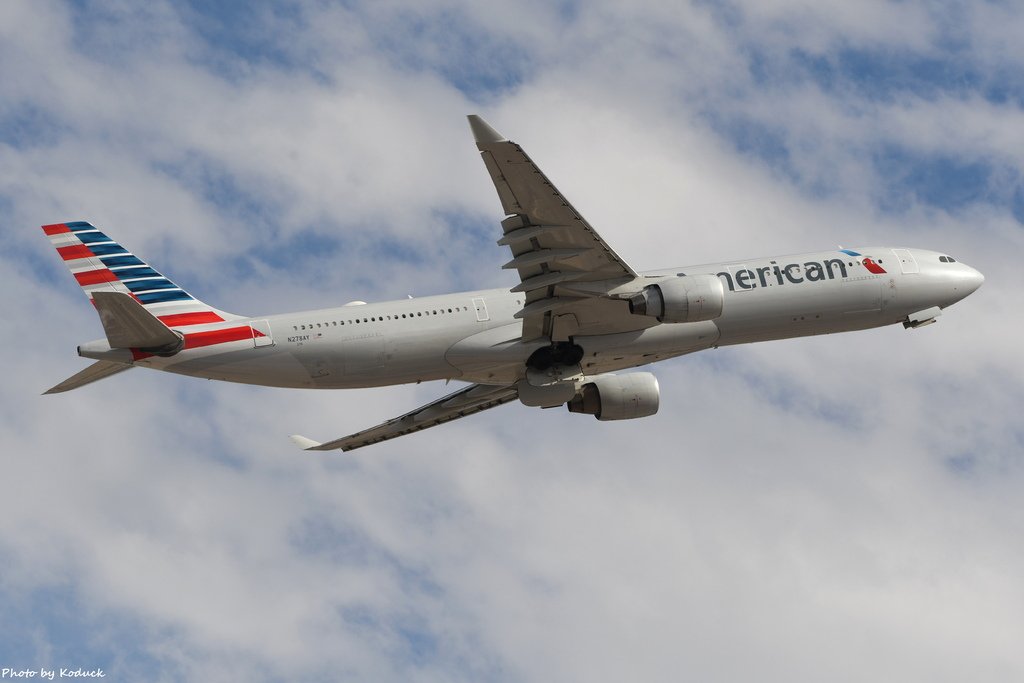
x=261, y=335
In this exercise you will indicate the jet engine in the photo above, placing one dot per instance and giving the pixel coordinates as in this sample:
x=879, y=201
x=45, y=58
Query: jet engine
x=617, y=397
x=683, y=299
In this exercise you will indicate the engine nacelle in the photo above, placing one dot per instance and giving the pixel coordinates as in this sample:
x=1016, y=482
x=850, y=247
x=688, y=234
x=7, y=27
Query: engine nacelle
x=617, y=397
x=683, y=299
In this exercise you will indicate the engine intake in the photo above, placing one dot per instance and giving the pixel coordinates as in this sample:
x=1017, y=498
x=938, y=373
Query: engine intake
x=617, y=397
x=683, y=299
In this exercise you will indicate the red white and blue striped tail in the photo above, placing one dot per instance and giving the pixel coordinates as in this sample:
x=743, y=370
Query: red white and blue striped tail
x=100, y=264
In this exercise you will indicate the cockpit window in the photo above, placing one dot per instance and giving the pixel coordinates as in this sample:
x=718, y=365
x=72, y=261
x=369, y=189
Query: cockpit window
x=947, y=259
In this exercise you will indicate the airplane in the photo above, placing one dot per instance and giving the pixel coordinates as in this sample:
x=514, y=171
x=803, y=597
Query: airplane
x=560, y=336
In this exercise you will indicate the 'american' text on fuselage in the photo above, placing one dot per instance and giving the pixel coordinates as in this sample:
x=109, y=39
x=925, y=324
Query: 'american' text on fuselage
x=813, y=271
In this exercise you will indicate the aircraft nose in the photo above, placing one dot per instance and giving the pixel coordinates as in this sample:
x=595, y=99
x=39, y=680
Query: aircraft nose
x=974, y=280
x=965, y=281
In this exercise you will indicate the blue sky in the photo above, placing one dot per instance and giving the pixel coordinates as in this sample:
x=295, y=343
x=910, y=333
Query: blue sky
x=839, y=508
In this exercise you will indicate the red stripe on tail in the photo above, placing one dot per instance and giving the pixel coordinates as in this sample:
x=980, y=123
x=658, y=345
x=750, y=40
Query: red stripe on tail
x=74, y=251
x=94, y=277
x=56, y=229
x=197, y=339
x=197, y=318
x=207, y=338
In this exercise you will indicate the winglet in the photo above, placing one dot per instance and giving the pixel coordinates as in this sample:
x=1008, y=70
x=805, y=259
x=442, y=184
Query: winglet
x=303, y=442
x=482, y=131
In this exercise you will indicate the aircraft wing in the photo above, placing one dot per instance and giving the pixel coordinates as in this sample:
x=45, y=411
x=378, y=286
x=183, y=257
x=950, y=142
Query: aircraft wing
x=554, y=248
x=472, y=399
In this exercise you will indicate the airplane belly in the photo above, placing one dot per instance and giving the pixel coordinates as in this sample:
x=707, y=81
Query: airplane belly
x=267, y=366
x=498, y=356
x=370, y=360
x=493, y=356
x=608, y=352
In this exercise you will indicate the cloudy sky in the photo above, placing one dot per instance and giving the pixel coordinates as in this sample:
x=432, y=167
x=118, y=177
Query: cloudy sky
x=839, y=508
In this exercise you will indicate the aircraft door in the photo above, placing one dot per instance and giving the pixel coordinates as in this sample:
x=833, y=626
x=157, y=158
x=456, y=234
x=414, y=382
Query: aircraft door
x=481, y=309
x=908, y=264
x=261, y=335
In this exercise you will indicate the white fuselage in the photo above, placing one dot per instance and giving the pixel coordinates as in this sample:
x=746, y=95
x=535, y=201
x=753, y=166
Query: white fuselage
x=473, y=336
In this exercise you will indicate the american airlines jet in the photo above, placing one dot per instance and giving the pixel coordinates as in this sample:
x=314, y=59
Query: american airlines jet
x=578, y=315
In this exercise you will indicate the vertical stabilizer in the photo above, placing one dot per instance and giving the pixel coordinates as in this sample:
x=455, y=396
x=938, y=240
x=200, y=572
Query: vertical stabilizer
x=100, y=264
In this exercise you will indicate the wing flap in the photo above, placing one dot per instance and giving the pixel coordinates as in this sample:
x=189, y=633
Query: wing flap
x=468, y=401
x=523, y=234
x=542, y=257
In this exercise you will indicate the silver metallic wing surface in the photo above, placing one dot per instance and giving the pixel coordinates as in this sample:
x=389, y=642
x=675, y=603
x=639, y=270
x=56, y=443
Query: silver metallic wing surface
x=97, y=371
x=553, y=248
x=472, y=399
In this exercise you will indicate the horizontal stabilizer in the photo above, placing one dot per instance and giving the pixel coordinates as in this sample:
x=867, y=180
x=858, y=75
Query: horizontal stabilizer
x=129, y=325
x=97, y=371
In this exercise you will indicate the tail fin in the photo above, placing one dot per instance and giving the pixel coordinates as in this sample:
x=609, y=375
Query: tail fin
x=100, y=264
